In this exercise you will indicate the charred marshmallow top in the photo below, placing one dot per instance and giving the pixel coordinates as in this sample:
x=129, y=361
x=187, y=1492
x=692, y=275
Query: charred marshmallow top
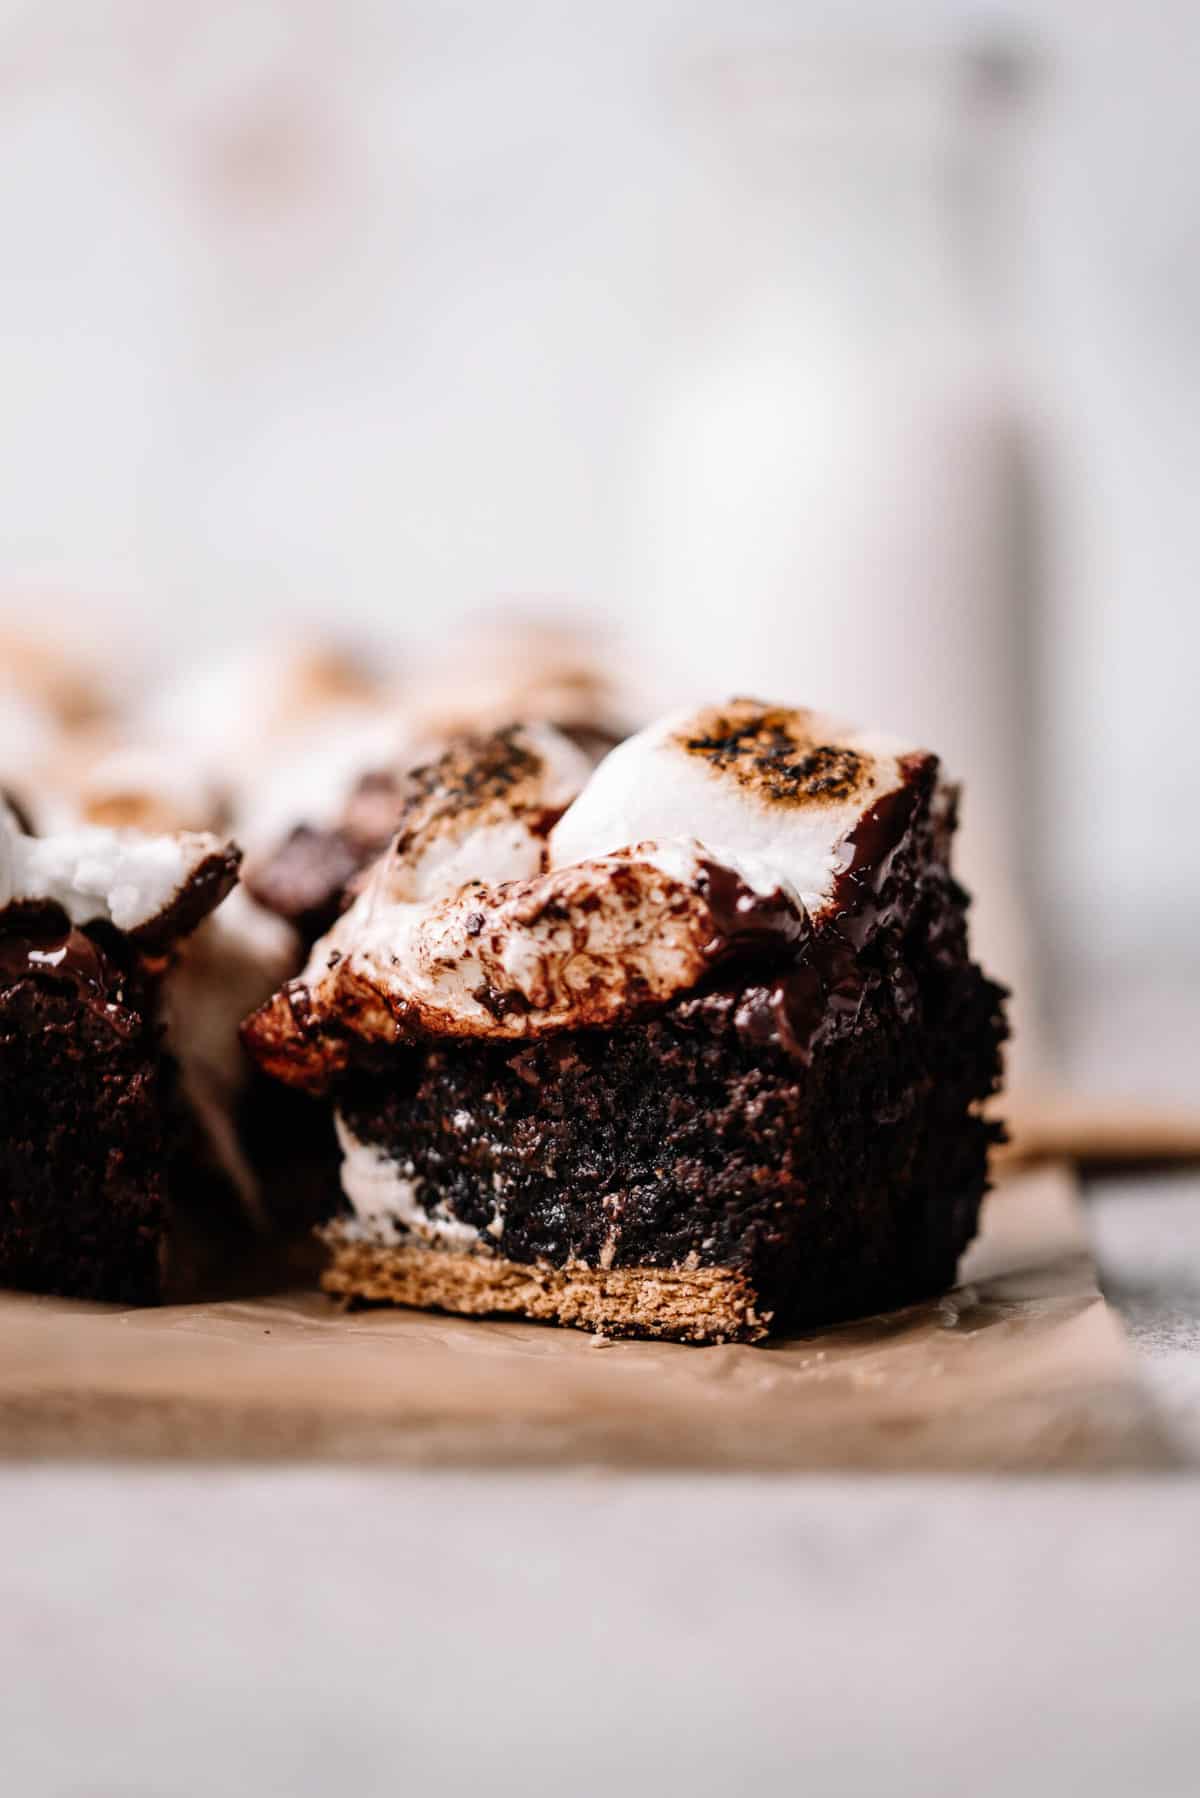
x=480, y=814
x=711, y=833
x=772, y=794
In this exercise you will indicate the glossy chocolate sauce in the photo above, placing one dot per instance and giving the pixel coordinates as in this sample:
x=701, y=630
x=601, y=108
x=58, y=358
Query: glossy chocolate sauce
x=865, y=896
x=44, y=947
x=747, y=922
x=823, y=989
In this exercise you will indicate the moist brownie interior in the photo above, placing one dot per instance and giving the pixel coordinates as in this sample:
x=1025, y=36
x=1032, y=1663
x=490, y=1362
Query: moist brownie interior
x=84, y=1094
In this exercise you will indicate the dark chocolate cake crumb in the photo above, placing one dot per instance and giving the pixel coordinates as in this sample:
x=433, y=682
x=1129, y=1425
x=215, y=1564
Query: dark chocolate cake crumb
x=101, y=1145
x=84, y=1090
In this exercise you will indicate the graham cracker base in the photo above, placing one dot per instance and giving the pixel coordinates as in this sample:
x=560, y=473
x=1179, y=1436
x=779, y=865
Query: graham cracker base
x=703, y=1304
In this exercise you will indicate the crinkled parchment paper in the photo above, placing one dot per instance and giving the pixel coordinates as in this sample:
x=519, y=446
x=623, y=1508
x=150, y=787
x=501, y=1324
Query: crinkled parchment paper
x=1023, y=1367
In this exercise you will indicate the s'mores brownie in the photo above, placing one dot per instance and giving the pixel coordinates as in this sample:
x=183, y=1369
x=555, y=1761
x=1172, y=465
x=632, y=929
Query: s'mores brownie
x=702, y=1057
x=102, y=1155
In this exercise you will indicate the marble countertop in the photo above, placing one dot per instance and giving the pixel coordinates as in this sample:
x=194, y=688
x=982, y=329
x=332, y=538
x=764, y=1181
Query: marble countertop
x=1146, y=1232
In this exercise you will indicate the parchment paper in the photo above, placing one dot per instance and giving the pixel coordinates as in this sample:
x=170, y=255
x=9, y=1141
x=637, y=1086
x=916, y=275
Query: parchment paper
x=1022, y=1367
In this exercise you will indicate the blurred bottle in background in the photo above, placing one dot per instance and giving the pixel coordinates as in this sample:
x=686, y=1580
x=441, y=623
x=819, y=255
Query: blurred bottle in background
x=836, y=484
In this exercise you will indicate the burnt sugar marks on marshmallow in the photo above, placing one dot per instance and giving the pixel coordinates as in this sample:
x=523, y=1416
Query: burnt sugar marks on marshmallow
x=778, y=754
x=732, y=833
x=482, y=810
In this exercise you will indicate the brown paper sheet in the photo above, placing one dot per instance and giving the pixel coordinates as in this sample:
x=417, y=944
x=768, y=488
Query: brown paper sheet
x=1021, y=1368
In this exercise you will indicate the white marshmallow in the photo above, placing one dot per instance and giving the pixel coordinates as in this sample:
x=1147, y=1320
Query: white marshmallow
x=95, y=874
x=765, y=827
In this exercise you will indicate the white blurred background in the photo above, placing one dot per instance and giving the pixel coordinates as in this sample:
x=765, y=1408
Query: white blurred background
x=849, y=353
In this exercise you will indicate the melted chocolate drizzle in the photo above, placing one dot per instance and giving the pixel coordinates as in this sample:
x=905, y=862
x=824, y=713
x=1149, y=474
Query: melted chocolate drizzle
x=746, y=922
x=45, y=947
x=823, y=988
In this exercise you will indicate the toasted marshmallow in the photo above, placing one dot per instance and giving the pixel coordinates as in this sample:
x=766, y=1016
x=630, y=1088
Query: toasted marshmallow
x=724, y=833
x=481, y=812
x=579, y=947
x=772, y=793
x=152, y=888
x=135, y=787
